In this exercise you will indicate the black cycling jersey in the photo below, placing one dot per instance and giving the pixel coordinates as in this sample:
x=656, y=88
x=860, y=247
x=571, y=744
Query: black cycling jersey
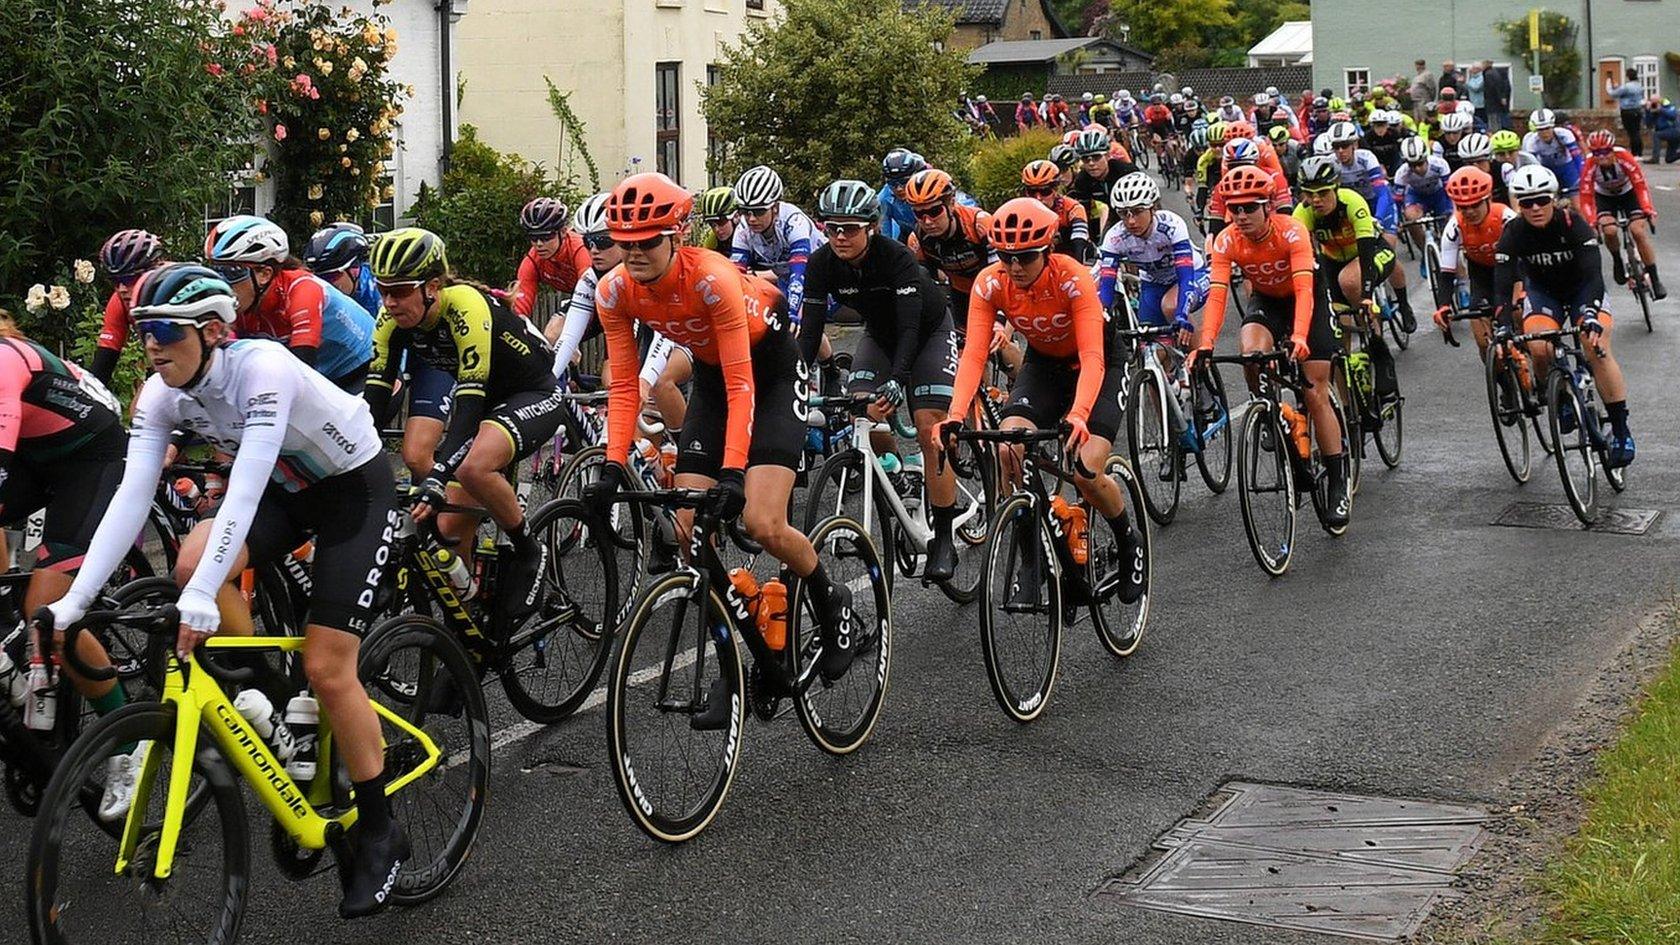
x=1560, y=259
x=1088, y=190
x=1386, y=149
x=900, y=303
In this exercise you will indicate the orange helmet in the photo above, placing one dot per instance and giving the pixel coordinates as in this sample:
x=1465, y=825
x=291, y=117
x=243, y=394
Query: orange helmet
x=929, y=187
x=1245, y=183
x=648, y=205
x=1469, y=185
x=1600, y=139
x=1239, y=129
x=1024, y=223
x=1040, y=174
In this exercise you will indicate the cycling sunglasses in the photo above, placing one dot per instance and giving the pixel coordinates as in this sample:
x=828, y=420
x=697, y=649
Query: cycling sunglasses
x=1529, y=203
x=1243, y=208
x=597, y=241
x=542, y=237
x=647, y=246
x=928, y=213
x=756, y=212
x=846, y=228
x=398, y=290
x=1038, y=191
x=1603, y=152
x=1092, y=158
x=1019, y=258
x=233, y=274
x=161, y=330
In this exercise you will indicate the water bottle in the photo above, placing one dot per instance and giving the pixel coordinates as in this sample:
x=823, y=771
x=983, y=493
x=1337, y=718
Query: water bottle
x=890, y=463
x=455, y=571
x=40, y=707
x=12, y=683
x=262, y=715
x=773, y=614
x=303, y=715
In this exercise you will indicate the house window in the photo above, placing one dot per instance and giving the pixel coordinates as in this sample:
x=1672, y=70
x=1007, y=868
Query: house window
x=668, y=119
x=1645, y=69
x=1355, y=79
x=755, y=4
x=240, y=198
x=1035, y=34
x=714, y=144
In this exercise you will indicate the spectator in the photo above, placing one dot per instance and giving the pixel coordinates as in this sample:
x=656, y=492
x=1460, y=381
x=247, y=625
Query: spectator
x=1628, y=97
x=1496, y=92
x=1450, y=78
x=1026, y=113
x=1422, y=89
x=1475, y=88
x=1664, y=123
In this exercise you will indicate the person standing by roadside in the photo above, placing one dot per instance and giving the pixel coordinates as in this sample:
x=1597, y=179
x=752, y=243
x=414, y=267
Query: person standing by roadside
x=1450, y=78
x=1422, y=89
x=1496, y=92
x=1664, y=123
x=1629, y=96
x=1475, y=91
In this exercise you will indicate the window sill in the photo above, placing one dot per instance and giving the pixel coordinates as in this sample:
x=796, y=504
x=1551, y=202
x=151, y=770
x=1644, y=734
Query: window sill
x=668, y=4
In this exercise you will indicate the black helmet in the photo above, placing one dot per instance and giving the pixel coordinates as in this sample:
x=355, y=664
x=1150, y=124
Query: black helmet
x=336, y=248
x=544, y=216
x=901, y=163
x=848, y=200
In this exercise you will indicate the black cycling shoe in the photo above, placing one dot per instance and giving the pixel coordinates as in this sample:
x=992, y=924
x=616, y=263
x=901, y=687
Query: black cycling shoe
x=714, y=715
x=1134, y=573
x=941, y=555
x=663, y=559
x=1657, y=291
x=839, y=646
x=1408, y=320
x=522, y=587
x=1618, y=270
x=372, y=870
x=1340, y=504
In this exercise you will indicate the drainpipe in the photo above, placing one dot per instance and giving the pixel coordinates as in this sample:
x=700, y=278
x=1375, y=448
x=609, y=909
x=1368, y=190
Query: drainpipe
x=1592, y=61
x=446, y=77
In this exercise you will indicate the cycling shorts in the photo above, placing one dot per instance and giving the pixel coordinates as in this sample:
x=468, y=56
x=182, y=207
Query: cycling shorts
x=1436, y=203
x=933, y=375
x=529, y=419
x=779, y=410
x=1626, y=203
x=74, y=491
x=428, y=391
x=354, y=382
x=1278, y=317
x=1044, y=389
x=1481, y=284
x=1151, y=294
x=352, y=517
x=1542, y=311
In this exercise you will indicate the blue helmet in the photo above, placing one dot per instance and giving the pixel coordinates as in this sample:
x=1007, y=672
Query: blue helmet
x=186, y=292
x=901, y=164
x=336, y=248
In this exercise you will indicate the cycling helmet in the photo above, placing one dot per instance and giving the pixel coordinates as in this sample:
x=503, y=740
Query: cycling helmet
x=185, y=292
x=1320, y=103
x=1216, y=133
x=1261, y=99
x=408, y=254
x=1241, y=151
x=591, y=215
x=544, y=216
x=1198, y=138
x=1175, y=99
x=1319, y=172
x=1454, y=122
x=1474, y=147
x=1063, y=156
x=931, y=186
x=1191, y=106
x=1246, y=183
x=1542, y=118
x=646, y=205
x=1159, y=98
x=336, y=248
x=1124, y=95
x=1091, y=141
x=848, y=200
x=1469, y=186
x=758, y=188
x=1414, y=150
x=1340, y=116
x=1280, y=114
x=1534, y=180
x=1600, y=139
x=1226, y=101
x=1187, y=92
x=246, y=239
x=1379, y=116
x=1136, y=189
x=1022, y=224
x=1239, y=129
x=900, y=163
x=128, y=252
x=1505, y=141
x=1102, y=99
x=1026, y=96
x=1087, y=97
x=716, y=204
x=1321, y=144
x=1466, y=108
x=1337, y=103
x=1278, y=133
x=1449, y=93
x=1343, y=132
x=1040, y=174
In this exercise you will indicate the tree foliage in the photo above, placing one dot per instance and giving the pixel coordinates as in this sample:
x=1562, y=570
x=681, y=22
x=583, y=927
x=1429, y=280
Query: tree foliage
x=995, y=173
x=1156, y=26
x=827, y=89
x=1560, y=57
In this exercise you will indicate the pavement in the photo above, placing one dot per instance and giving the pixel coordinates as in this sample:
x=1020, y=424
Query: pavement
x=1425, y=654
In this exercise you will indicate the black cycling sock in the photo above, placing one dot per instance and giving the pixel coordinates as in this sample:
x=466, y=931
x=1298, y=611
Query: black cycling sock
x=522, y=542
x=1122, y=528
x=1618, y=417
x=1652, y=269
x=373, y=808
x=942, y=517
x=1401, y=296
x=819, y=582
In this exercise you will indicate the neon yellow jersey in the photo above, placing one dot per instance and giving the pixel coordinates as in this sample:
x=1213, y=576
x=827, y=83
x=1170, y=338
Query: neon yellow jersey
x=469, y=333
x=1204, y=165
x=1338, y=233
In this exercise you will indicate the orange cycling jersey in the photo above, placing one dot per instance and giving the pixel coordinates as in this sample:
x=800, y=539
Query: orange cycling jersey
x=1278, y=266
x=559, y=272
x=703, y=303
x=1477, y=241
x=1059, y=314
x=1281, y=194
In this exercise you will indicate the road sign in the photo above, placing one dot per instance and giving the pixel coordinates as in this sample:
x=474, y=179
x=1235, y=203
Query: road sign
x=1537, y=84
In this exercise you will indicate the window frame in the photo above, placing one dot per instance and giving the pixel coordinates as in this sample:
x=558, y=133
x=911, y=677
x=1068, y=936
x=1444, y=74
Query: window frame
x=1651, y=84
x=1348, y=85
x=667, y=120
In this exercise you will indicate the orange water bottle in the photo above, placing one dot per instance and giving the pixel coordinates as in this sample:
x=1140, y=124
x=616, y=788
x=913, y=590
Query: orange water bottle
x=1296, y=425
x=746, y=585
x=773, y=614
x=1072, y=519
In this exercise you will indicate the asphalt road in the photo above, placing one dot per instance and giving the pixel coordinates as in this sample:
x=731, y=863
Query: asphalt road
x=1426, y=653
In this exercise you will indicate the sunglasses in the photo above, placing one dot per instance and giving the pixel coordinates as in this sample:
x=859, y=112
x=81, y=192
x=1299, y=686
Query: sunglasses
x=646, y=246
x=161, y=331
x=1245, y=208
x=1529, y=203
x=1092, y=158
x=597, y=241
x=1603, y=152
x=1038, y=191
x=847, y=229
x=756, y=212
x=128, y=280
x=1318, y=191
x=929, y=213
x=398, y=290
x=1022, y=258
x=543, y=237
x=1137, y=211
x=715, y=222
x=233, y=274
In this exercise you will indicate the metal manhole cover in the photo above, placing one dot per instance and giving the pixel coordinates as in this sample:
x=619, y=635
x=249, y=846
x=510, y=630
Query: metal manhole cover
x=1610, y=521
x=1313, y=861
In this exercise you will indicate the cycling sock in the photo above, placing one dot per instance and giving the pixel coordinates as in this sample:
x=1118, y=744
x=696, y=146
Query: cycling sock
x=1618, y=417
x=522, y=542
x=1401, y=296
x=372, y=806
x=1123, y=530
x=110, y=701
x=819, y=582
x=942, y=517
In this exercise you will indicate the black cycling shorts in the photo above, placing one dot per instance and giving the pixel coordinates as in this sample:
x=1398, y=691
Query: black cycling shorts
x=933, y=375
x=352, y=517
x=1481, y=284
x=1044, y=390
x=529, y=418
x=1627, y=203
x=428, y=391
x=74, y=491
x=1278, y=316
x=354, y=382
x=779, y=410
x=1332, y=270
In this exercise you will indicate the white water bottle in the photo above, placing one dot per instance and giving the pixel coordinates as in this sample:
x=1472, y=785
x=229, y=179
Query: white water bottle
x=260, y=712
x=40, y=706
x=12, y=683
x=303, y=715
x=456, y=571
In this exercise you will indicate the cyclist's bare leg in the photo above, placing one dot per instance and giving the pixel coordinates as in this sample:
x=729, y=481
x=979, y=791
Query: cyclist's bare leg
x=1641, y=230
x=235, y=611
x=1010, y=454
x=1102, y=492
x=1255, y=338
x=480, y=474
x=1611, y=234
x=47, y=586
x=329, y=662
x=1606, y=372
x=766, y=518
x=458, y=530
x=421, y=436
x=1326, y=428
x=1413, y=213
x=941, y=482
x=1397, y=273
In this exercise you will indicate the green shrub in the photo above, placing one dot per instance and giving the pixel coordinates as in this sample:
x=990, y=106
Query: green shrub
x=994, y=175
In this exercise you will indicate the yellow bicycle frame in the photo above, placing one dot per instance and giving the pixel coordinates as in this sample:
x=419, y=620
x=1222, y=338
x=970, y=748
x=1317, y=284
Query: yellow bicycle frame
x=198, y=698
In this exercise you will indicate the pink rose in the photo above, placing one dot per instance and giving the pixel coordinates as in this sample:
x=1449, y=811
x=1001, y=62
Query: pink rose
x=271, y=54
x=214, y=68
x=258, y=14
x=279, y=132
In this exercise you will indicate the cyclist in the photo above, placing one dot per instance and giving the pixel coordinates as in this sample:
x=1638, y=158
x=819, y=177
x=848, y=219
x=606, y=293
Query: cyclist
x=1275, y=254
x=778, y=237
x=1472, y=233
x=556, y=258
x=338, y=254
x=307, y=461
x=1384, y=140
x=280, y=299
x=950, y=239
x=747, y=428
x=1618, y=187
x=1100, y=165
x=1476, y=150
x=1040, y=180
x=1557, y=150
x=504, y=402
x=1289, y=151
x=1362, y=173
x=1158, y=119
x=1228, y=110
x=1244, y=152
x=1208, y=166
x=1508, y=156
x=718, y=213
x=1454, y=126
x=1173, y=276
x=1072, y=370
x=125, y=257
x=1066, y=161
x=1423, y=180
x=900, y=164
x=1101, y=113
x=908, y=352
x=1554, y=253
x=1318, y=118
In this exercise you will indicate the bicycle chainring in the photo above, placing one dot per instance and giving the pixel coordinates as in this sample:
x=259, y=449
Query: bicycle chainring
x=763, y=702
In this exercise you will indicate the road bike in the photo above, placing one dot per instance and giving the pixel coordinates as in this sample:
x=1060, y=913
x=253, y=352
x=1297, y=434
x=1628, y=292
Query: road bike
x=1575, y=422
x=1514, y=403
x=1638, y=274
x=1368, y=412
x=1171, y=414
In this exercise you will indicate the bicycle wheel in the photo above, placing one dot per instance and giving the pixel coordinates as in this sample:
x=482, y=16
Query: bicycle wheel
x=839, y=716
x=1577, y=462
x=838, y=489
x=1119, y=625
x=556, y=656
x=631, y=531
x=1321, y=486
x=671, y=777
x=1639, y=277
x=1432, y=267
x=139, y=656
x=1020, y=630
x=1510, y=429
x=1213, y=422
x=1151, y=447
x=1266, y=487
x=976, y=505
x=1353, y=428
x=1391, y=436
x=75, y=895
x=539, y=476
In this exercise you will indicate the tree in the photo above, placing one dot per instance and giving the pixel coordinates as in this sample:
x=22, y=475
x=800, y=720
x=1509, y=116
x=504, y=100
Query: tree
x=826, y=90
x=1560, y=57
x=1155, y=25
x=115, y=113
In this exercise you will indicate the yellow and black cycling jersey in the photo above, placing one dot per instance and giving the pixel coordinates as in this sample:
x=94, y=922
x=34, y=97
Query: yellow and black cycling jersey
x=1338, y=233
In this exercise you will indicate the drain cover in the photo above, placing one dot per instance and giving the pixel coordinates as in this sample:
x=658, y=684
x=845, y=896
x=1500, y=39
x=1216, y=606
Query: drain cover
x=1611, y=521
x=1313, y=861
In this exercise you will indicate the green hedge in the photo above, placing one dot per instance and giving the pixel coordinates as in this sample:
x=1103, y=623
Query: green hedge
x=994, y=174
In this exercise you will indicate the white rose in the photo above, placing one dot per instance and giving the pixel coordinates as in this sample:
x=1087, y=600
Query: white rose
x=36, y=299
x=84, y=271
x=58, y=297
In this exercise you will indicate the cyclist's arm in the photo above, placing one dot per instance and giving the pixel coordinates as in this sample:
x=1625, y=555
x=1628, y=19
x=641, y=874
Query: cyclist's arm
x=1301, y=268
x=1089, y=327
x=1219, y=291
x=907, y=314
x=1587, y=200
x=1079, y=232
x=1444, y=288
x=470, y=326
x=306, y=302
x=113, y=334
x=1108, y=270
x=525, y=287
x=623, y=396
x=1367, y=239
x=799, y=253
x=1505, y=274
x=578, y=316
x=1184, y=265
x=815, y=307
x=382, y=372
x=739, y=252
x=14, y=377
x=1589, y=267
x=983, y=314
x=659, y=354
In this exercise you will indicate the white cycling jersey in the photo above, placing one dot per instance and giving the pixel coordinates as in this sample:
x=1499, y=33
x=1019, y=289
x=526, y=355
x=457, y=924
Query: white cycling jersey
x=1553, y=153
x=581, y=314
x=284, y=422
x=1363, y=173
x=1429, y=180
x=792, y=235
x=1154, y=252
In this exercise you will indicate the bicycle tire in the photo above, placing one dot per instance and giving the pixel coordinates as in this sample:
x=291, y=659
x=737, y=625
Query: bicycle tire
x=1583, y=495
x=581, y=627
x=1391, y=436
x=1432, y=268
x=640, y=796
x=1266, y=475
x=1212, y=408
x=838, y=717
x=1353, y=426
x=50, y=923
x=838, y=490
x=632, y=531
x=1020, y=704
x=970, y=537
x=1508, y=426
x=1151, y=446
x=1120, y=631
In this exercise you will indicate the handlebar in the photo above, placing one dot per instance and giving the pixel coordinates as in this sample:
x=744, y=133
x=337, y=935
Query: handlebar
x=1022, y=437
x=858, y=405
x=690, y=499
x=162, y=621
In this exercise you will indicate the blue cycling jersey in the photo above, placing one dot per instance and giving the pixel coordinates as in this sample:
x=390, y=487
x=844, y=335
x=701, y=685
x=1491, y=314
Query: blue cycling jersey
x=346, y=335
x=367, y=291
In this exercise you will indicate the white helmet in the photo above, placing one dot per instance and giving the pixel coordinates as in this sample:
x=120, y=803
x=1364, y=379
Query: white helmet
x=1187, y=91
x=758, y=188
x=591, y=216
x=1343, y=132
x=1466, y=108
x=1123, y=95
x=1542, y=118
x=1272, y=90
x=1087, y=97
x=1455, y=121
x=246, y=239
x=1136, y=189
x=1322, y=145
x=1414, y=149
x=1379, y=116
x=1532, y=180
x=1475, y=146
x=1176, y=99
x=1261, y=98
